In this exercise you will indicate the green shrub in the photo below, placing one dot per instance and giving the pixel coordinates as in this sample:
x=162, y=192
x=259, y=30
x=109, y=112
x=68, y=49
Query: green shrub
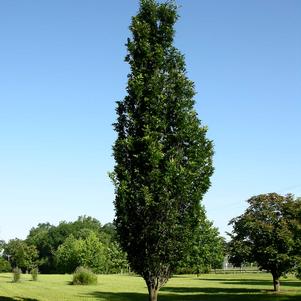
x=84, y=276
x=17, y=274
x=34, y=274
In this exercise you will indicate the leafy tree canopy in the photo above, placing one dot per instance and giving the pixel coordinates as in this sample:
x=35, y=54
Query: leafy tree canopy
x=207, y=249
x=88, y=252
x=47, y=238
x=21, y=254
x=267, y=233
x=62, y=248
x=163, y=158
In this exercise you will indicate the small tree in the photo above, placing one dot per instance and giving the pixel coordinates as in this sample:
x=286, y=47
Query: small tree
x=67, y=256
x=89, y=252
x=265, y=234
x=40, y=237
x=21, y=254
x=163, y=159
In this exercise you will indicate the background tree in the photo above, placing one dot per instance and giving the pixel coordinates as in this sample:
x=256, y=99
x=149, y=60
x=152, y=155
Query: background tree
x=265, y=234
x=163, y=159
x=47, y=239
x=116, y=259
x=40, y=238
x=21, y=255
x=67, y=256
x=109, y=229
x=89, y=252
x=207, y=250
x=62, y=248
x=5, y=265
x=2, y=244
x=293, y=213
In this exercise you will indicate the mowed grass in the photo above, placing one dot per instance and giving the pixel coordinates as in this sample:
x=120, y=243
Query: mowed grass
x=214, y=287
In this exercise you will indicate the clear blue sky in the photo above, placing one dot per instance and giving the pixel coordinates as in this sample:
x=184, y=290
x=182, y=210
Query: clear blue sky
x=62, y=69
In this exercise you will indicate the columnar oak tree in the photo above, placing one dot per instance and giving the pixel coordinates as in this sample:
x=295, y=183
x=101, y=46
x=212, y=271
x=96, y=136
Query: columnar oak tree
x=267, y=233
x=163, y=158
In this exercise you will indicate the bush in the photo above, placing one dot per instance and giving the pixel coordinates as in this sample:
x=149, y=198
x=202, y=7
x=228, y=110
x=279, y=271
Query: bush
x=17, y=274
x=84, y=276
x=34, y=274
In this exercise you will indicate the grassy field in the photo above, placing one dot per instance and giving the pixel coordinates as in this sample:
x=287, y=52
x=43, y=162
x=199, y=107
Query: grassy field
x=219, y=287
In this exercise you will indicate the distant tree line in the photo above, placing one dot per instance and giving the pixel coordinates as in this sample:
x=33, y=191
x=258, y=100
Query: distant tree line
x=62, y=248
x=86, y=242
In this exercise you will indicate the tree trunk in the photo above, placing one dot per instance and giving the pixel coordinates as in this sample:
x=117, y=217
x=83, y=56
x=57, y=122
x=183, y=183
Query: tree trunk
x=154, y=283
x=152, y=294
x=276, y=283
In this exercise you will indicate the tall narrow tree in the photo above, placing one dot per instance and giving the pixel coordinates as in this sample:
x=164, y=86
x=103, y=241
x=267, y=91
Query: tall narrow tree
x=163, y=158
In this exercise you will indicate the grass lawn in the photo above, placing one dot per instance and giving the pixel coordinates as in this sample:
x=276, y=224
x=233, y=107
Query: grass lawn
x=219, y=287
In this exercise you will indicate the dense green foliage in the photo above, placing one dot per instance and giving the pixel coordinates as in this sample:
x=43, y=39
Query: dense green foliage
x=89, y=252
x=207, y=249
x=96, y=248
x=163, y=158
x=62, y=248
x=294, y=213
x=5, y=265
x=21, y=254
x=47, y=238
x=84, y=276
x=268, y=233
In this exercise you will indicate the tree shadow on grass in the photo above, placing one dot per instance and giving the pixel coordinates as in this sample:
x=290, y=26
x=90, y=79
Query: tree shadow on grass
x=209, y=290
x=119, y=296
x=229, y=280
x=290, y=283
x=193, y=296
x=3, y=298
x=283, y=282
